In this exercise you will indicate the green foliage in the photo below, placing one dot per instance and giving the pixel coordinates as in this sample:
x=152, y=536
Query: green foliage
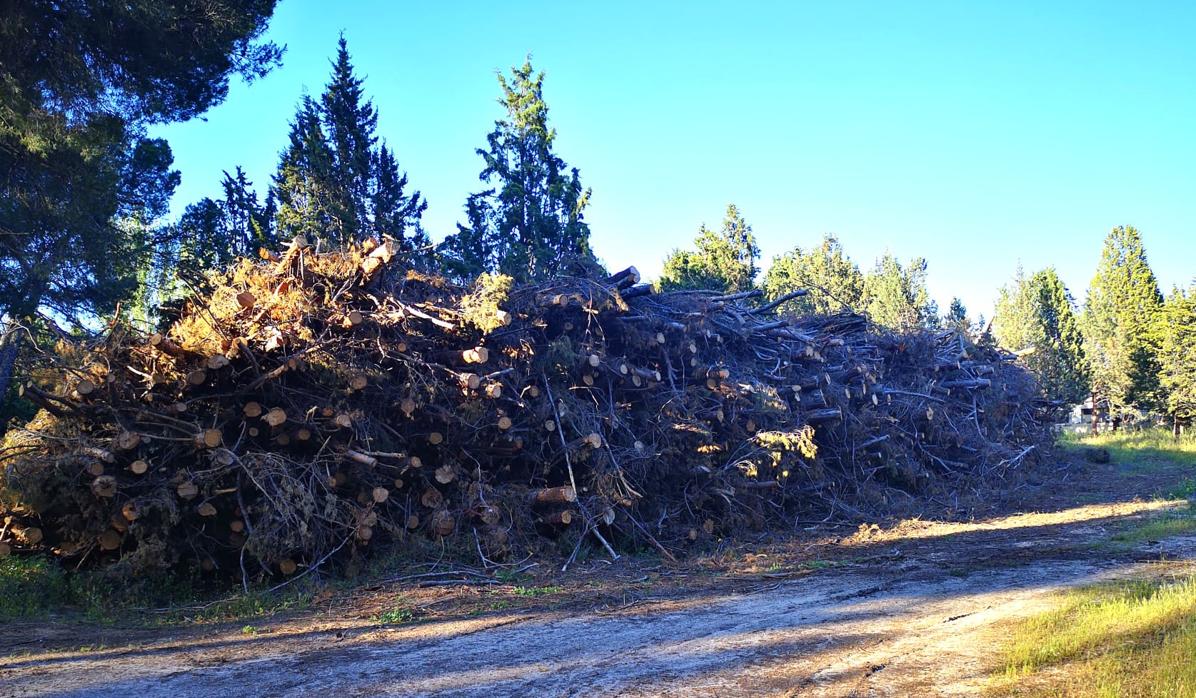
x=1036, y=318
x=79, y=81
x=723, y=260
x=1177, y=353
x=896, y=297
x=1119, y=325
x=335, y=182
x=397, y=616
x=834, y=281
x=957, y=318
x=529, y=224
x=82, y=184
x=533, y=592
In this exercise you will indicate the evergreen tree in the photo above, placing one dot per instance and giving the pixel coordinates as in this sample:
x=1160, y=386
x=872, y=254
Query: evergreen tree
x=529, y=224
x=395, y=214
x=957, y=318
x=723, y=260
x=895, y=296
x=834, y=281
x=80, y=82
x=335, y=182
x=303, y=183
x=1177, y=355
x=1119, y=323
x=1036, y=318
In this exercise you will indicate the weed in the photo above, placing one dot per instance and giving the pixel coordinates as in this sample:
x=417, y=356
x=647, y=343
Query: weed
x=537, y=591
x=397, y=616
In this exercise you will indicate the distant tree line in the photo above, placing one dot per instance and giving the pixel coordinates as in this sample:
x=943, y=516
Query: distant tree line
x=85, y=192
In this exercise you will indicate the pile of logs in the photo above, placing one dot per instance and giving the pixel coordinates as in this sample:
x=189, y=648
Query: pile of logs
x=313, y=406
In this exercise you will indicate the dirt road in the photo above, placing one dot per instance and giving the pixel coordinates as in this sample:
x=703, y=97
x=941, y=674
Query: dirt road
x=920, y=615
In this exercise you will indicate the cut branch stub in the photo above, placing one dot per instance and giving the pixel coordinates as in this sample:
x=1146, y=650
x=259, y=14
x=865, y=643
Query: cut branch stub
x=275, y=417
x=553, y=495
x=104, y=486
x=187, y=490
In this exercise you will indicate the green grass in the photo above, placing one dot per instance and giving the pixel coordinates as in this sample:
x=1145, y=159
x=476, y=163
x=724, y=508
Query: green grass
x=31, y=587
x=397, y=616
x=1123, y=639
x=37, y=587
x=1157, y=528
x=1139, y=448
x=537, y=591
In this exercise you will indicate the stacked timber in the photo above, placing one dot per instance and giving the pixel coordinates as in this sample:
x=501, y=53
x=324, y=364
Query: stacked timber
x=313, y=406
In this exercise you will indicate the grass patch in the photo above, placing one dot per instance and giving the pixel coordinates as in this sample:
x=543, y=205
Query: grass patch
x=397, y=616
x=1157, y=528
x=37, y=587
x=1122, y=639
x=532, y=592
x=1138, y=448
x=31, y=587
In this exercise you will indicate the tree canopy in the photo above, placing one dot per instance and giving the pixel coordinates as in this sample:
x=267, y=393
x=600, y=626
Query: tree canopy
x=1177, y=353
x=336, y=181
x=1120, y=322
x=529, y=223
x=80, y=81
x=1036, y=318
x=723, y=259
x=895, y=295
x=834, y=281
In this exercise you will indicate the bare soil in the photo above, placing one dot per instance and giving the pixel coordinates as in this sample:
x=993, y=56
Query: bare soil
x=915, y=608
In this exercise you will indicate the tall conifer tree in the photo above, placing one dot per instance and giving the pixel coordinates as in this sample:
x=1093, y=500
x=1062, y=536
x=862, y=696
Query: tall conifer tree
x=530, y=223
x=1119, y=324
x=1036, y=317
x=335, y=182
x=1177, y=355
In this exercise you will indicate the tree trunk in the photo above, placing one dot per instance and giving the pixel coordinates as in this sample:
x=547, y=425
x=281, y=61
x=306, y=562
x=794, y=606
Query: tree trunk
x=9, y=342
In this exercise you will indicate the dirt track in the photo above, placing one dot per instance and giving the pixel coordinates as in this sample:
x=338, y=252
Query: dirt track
x=920, y=618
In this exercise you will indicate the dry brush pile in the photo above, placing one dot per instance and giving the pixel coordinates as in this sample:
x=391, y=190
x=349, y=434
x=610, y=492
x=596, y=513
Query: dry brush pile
x=316, y=405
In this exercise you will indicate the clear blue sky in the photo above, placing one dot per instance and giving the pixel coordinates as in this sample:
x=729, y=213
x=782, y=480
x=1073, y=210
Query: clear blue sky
x=975, y=134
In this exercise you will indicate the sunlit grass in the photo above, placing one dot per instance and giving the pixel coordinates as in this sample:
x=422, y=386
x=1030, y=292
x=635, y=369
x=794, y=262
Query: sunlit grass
x=1122, y=639
x=1146, y=447
x=1157, y=528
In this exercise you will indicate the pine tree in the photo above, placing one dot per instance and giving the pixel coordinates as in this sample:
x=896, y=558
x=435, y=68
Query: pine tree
x=1119, y=323
x=395, y=214
x=723, y=260
x=80, y=82
x=957, y=318
x=895, y=296
x=1036, y=318
x=1177, y=355
x=834, y=282
x=529, y=224
x=303, y=183
x=249, y=224
x=335, y=182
